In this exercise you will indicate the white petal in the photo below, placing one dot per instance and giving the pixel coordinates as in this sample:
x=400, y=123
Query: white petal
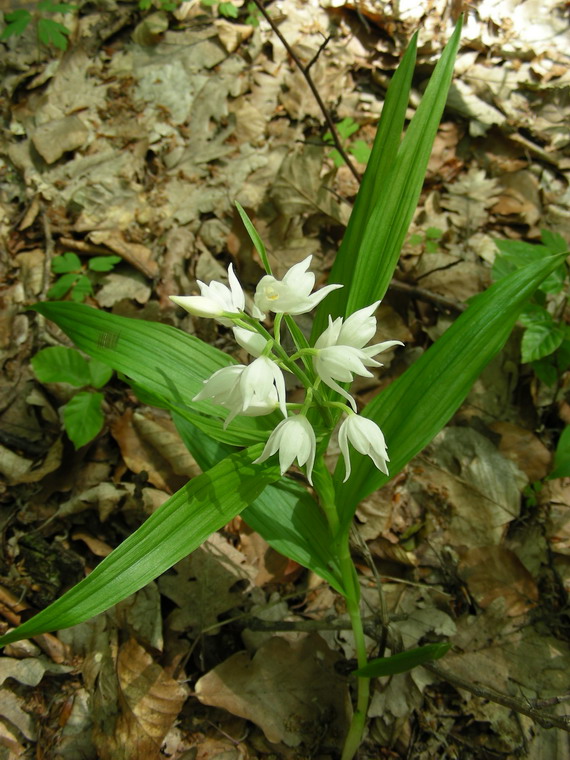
x=343, y=443
x=359, y=327
x=238, y=296
x=253, y=342
x=200, y=306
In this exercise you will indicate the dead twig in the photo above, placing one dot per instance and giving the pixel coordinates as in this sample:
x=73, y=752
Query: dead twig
x=427, y=295
x=517, y=705
x=305, y=72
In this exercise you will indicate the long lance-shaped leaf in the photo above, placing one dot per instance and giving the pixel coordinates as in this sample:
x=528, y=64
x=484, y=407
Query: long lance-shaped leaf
x=285, y=514
x=178, y=527
x=367, y=268
x=164, y=360
x=414, y=408
x=375, y=179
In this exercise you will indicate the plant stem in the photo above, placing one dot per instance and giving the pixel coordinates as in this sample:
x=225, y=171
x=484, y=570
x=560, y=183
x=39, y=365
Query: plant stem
x=350, y=582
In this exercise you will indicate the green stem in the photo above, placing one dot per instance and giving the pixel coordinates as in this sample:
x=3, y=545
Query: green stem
x=323, y=485
x=350, y=583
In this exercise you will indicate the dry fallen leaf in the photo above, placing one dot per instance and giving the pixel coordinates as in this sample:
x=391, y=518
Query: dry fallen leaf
x=493, y=571
x=290, y=690
x=149, y=701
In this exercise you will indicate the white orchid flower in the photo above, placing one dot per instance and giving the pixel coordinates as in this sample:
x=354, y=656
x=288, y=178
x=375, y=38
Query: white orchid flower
x=367, y=439
x=259, y=379
x=291, y=295
x=341, y=351
x=253, y=342
x=226, y=388
x=215, y=299
x=295, y=439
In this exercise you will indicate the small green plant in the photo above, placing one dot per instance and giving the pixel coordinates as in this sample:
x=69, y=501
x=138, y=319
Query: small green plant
x=429, y=240
x=75, y=275
x=546, y=339
x=82, y=416
x=229, y=10
x=161, y=5
x=49, y=32
x=359, y=149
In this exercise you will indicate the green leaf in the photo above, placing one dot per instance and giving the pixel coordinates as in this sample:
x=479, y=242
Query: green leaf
x=347, y=127
x=67, y=262
x=390, y=190
x=515, y=254
x=546, y=371
x=163, y=360
x=415, y=239
x=100, y=373
x=17, y=23
x=228, y=9
x=82, y=288
x=254, y=237
x=540, y=340
x=415, y=407
x=103, y=263
x=403, y=661
x=62, y=285
x=83, y=418
x=434, y=233
x=361, y=151
x=336, y=157
x=58, y=364
x=52, y=33
x=285, y=515
x=562, y=456
x=178, y=527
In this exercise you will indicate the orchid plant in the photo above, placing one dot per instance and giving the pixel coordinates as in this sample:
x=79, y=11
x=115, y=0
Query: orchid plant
x=236, y=420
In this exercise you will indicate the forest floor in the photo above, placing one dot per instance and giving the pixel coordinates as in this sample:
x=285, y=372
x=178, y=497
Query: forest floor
x=134, y=143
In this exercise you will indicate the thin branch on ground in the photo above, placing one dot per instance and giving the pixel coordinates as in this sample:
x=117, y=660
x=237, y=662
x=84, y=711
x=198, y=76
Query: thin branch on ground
x=427, y=295
x=518, y=705
x=305, y=72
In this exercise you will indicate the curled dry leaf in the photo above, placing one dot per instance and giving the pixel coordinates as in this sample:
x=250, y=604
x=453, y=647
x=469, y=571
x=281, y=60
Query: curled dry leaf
x=149, y=701
x=290, y=690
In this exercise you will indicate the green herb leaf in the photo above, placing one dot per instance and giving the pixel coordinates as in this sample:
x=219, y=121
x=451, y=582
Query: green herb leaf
x=361, y=151
x=403, y=661
x=82, y=288
x=17, y=22
x=58, y=364
x=540, y=340
x=100, y=373
x=415, y=407
x=103, y=263
x=285, y=515
x=67, y=262
x=62, y=285
x=562, y=456
x=163, y=360
x=178, y=527
x=228, y=9
x=347, y=127
x=83, y=418
x=52, y=33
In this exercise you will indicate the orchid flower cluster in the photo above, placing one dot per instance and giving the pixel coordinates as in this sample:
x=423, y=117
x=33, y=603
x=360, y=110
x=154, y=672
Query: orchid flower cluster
x=258, y=388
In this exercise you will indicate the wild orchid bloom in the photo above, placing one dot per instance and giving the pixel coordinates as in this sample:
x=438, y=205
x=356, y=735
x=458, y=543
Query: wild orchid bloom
x=367, y=438
x=341, y=353
x=253, y=342
x=216, y=299
x=291, y=295
x=294, y=438
x=243, y=390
